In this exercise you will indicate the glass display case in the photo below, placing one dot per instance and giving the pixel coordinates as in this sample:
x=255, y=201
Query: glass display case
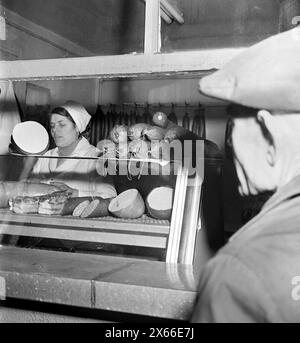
x=176, y=245
x=137, y=266
x=163, y=234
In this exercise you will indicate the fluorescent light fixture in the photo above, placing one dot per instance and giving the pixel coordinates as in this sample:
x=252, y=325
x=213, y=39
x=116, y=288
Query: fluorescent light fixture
x=2, y=28
x=165, y=17
x=167, y=9
x=170, y=13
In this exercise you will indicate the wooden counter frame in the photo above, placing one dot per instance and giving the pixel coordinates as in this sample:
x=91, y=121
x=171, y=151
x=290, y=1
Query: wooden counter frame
x=118, y=66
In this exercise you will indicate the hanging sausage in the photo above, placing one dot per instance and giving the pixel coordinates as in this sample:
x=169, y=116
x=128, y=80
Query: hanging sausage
x=186, y=121
x=172, y=116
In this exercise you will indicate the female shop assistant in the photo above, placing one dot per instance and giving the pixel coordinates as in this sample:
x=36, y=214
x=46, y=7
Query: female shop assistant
x=68, y=124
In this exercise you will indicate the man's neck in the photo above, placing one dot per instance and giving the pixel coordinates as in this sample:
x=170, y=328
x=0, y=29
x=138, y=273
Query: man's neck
x=290, y=170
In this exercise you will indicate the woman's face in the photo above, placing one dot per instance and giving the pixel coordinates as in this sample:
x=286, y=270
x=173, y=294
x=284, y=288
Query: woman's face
x=63, y=131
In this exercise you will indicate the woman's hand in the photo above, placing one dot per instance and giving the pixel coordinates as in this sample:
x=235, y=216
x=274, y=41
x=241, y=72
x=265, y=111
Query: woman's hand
x=73, y=192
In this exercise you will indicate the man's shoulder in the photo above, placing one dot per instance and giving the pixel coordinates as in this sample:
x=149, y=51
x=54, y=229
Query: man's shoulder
x=267, y=243
x=268, y=257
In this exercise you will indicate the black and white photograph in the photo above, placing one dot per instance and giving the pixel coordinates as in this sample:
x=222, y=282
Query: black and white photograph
x=149, y=164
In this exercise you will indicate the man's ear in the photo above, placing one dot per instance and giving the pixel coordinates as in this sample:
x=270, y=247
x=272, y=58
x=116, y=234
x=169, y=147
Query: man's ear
x=267, y=124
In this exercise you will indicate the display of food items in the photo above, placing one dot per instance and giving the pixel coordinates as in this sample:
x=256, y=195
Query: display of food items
x=71, y=203
x=108, y=147
x=139, y=149
x=128, y=204
x=12, y=189
x=122, y=150
x=96, y=208
x=46, y=204
x=160, y=150
x=119, y=134
x=29, y=137
x=78, y=210
x=159, y=203
x=24, y=204
x=136, y=131
x=172, y=130
x=150, y=141
x=154, y=133
x=160, y=119
x=52, y=204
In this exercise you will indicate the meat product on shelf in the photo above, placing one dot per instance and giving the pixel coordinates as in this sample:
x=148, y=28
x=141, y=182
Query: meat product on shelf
x=159, y=203
x=13, y=189
x=128, y=204
x=136, y=131
x=186, y=121
x=119, y=134
x=108, y=147
x=96, y=208
x=139, y=148
x=72, y=203
x=24, y=204
x=160, y=150
x=53, y=203
x=78, y=210
x=153, y=133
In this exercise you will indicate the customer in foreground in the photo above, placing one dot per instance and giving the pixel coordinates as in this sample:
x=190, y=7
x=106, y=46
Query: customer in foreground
x=256, y=276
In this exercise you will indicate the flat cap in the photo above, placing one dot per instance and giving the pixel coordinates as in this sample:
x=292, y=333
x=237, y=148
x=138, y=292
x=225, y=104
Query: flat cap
x=264, y=76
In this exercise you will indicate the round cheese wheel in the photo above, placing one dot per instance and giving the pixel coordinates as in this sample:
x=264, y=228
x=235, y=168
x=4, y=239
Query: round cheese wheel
x=159, y=203
x=129, y=205
x=30, y=137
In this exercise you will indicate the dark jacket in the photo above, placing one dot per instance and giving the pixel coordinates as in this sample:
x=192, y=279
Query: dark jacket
x=256, y=276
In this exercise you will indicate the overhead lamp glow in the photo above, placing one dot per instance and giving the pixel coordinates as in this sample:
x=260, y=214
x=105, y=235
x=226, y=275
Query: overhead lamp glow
x=165, y=17
x=170, y=12
x=2, y=28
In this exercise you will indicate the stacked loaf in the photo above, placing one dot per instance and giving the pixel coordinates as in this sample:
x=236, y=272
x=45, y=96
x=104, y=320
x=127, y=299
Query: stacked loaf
x=46, y=204
x=32, y=197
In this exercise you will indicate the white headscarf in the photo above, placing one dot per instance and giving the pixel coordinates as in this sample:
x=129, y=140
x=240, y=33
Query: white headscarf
x=79, y=114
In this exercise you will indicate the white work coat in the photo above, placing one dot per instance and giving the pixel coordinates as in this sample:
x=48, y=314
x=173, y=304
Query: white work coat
x=79, y=174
